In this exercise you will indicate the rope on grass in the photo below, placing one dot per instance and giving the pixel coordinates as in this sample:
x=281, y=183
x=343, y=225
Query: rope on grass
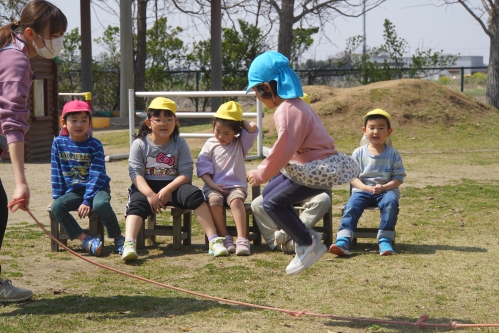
x=420, y=323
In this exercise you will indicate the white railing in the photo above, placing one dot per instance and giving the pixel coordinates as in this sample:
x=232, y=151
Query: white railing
x=258, y=114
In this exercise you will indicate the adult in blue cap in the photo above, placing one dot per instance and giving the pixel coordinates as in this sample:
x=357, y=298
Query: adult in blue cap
x=303, y=148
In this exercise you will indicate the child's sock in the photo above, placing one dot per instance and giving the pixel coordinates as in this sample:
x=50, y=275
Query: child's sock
x=212, y=237
x=129, y=240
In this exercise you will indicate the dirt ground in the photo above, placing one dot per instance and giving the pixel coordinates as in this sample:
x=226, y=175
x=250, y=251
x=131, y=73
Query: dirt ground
x=37, y=266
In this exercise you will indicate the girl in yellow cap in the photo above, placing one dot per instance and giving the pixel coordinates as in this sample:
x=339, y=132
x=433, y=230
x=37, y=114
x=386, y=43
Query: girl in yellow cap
x=221, y=165
x=161, y=167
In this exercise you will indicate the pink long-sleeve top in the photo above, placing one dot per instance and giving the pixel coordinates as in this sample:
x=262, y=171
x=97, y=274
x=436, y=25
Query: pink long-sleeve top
x=15, y=82
x=301, y=138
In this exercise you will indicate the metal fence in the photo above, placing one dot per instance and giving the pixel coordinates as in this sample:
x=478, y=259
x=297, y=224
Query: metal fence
x=106, y=95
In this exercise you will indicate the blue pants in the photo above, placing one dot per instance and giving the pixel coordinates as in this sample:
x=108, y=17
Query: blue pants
x=101, y=205
x=278, y=199
x=388, y=205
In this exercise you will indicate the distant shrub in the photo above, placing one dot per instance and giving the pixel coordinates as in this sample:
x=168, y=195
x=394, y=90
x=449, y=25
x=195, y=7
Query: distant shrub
x=479, y=78
x=445, y=80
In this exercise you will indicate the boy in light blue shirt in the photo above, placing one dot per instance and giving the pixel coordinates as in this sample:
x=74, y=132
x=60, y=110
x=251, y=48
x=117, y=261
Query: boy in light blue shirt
x=381, y=174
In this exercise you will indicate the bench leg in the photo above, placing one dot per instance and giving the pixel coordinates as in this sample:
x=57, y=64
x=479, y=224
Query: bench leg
x=187, y=228
x=151, y=223
x=177, y=231
x=140, y=241
x=54, y=231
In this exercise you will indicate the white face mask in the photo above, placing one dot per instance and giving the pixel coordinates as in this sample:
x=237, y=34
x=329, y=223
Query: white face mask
x=52, y=47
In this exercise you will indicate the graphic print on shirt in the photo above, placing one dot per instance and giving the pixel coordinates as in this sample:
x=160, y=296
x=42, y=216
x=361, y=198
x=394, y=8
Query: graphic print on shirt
x=78, y=173
x=161, y=165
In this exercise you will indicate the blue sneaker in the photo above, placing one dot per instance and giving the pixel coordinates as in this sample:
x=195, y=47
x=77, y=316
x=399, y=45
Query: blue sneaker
x=385, y=247
x=118, y=243
x=341, y=247
x=92, y=245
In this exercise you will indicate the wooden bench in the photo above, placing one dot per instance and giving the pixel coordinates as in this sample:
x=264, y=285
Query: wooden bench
x=180, y=229
x=95, y=228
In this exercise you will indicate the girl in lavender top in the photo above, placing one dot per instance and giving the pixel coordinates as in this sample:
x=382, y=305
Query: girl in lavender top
x=221, y=165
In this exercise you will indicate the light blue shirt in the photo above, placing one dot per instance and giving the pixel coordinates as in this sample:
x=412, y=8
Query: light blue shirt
x=379, y=169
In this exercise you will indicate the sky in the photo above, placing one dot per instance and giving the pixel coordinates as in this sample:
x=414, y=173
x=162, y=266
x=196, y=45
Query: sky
x=424, y=26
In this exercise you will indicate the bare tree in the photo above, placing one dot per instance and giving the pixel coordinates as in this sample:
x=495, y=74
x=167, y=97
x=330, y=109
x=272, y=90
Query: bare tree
x=288, y=13
x=486, y=13
x=140, y=59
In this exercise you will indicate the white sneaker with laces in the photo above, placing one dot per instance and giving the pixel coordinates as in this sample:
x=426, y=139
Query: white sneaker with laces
x=281, y=237
x=306, y=255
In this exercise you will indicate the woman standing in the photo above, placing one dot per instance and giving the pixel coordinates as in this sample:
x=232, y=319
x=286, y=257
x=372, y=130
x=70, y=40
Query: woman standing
x=39, y=31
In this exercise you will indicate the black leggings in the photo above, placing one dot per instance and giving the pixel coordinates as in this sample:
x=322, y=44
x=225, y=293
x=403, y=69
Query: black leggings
x=4, y=215
x=185, y=196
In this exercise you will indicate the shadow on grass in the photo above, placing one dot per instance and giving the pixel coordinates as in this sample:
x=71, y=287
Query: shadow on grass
x=404, y=248
x=408, y=326
x=117, y=307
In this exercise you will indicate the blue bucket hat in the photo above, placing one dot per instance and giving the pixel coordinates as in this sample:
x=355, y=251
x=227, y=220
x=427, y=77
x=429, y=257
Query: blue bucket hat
x=270, y=66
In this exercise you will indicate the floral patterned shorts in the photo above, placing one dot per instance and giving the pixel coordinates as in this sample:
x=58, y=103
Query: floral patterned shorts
x=336, y=169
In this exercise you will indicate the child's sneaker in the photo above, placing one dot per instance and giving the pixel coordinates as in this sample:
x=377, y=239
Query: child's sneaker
x=280, y=237
x=385, y=247
x=129, y=252
x=288, y=247
x=306, y=255
x=118, y=243
x=341, y=247
x=243, y=247
x=229, y=244
x=217, y=247
x=92, y=245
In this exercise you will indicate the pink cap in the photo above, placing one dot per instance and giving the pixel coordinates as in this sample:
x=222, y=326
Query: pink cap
x=75, y=106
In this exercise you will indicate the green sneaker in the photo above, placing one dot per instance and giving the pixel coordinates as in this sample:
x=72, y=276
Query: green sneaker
x=217, y=247
x=129, y=252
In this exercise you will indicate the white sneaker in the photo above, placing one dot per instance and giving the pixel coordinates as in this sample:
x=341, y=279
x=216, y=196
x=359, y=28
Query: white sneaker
x=281, y=237
x=288, y=247
x=217, y=247
x=306, y=255
x=129, y=252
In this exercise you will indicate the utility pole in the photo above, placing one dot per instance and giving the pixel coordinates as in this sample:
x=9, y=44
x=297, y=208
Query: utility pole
x=364, y=18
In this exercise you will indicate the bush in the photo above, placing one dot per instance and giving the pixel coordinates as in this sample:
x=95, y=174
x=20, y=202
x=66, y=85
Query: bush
x=445, y=80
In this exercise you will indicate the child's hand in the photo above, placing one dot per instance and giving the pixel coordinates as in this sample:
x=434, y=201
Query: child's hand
x=220, y=188
x=155, y=202
x=83, y=211
x=50, y=205
x=164, y=195
x=377, y=189
x=249, y=176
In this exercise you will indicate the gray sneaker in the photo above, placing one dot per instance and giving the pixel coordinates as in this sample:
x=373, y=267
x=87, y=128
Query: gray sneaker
x=9, y=293
x=306, y=255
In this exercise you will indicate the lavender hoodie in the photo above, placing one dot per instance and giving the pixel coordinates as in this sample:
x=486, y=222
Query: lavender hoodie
x=15, y=82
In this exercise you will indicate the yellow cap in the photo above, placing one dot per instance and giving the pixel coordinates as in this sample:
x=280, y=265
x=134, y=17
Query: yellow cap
x=161, y=103
x=230, y=111
x=306, y=98
x=378, y=111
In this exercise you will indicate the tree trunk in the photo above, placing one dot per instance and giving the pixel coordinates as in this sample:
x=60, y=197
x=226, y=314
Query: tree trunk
x=286, y=21
x=140, y=60
x=493, y=71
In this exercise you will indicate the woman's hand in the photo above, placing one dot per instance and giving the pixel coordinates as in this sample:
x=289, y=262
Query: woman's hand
x=21, y=191
x=83, y=211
